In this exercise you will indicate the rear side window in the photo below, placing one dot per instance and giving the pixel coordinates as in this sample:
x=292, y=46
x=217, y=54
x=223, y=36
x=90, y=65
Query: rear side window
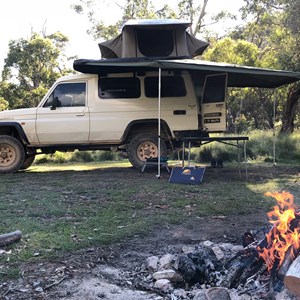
x=121, y=87
x=171, y=86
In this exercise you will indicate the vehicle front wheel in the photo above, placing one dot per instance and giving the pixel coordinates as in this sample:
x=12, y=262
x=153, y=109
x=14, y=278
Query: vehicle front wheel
x=12, y=154
x=144, y=146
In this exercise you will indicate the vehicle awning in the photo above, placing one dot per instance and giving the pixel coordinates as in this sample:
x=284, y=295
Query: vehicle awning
x=238, y=76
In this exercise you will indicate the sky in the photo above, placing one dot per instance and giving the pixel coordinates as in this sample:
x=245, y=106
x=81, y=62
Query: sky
x=18, y=18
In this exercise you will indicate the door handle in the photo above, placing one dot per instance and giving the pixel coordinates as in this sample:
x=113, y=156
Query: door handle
x=80, y=115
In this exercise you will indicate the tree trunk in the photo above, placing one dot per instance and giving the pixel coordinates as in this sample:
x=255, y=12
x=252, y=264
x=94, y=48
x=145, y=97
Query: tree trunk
x=290, y=111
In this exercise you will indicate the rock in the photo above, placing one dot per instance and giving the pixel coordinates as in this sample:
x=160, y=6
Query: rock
x=169, y=274
x=218, y=252
x=207, y=244
x=163, y=285
x=179, y=294
x=226, y=246
x=217, y=293
x=109, y=272
x=237, y=248
x=165, y=261
x=152, y=263
x=39, y=289
x=188, y=249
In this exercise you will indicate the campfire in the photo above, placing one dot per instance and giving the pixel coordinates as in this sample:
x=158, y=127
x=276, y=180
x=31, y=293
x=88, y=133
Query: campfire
x=266, y=264
x=282, y=243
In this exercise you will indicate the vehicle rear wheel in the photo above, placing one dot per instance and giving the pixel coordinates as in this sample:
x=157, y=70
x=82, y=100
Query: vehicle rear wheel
x=28, y=161
x=12, y=154
x=144, y=146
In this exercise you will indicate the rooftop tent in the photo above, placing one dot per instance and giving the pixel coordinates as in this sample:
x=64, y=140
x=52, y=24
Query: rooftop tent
x=238, y=76
x=153, y=38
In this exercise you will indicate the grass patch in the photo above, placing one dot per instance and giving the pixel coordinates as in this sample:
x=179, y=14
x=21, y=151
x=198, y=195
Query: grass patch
x=63, y=208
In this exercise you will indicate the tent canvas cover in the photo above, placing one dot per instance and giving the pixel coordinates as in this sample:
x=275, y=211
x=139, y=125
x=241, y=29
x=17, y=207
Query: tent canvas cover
x=153, y=38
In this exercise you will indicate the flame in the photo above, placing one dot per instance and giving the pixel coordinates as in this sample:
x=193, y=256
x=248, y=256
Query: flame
x=282, y=235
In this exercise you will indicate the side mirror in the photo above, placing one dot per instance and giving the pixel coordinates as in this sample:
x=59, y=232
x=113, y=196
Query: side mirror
x=54, y=103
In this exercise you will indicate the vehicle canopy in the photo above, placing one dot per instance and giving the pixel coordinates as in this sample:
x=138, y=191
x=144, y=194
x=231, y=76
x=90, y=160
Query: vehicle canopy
x=238, y=76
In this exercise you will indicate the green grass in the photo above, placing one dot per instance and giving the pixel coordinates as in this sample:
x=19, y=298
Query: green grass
x=64, y=208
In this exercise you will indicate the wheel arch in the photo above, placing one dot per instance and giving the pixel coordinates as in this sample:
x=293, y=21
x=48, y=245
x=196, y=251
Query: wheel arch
x=146, y=126
x=15, y=130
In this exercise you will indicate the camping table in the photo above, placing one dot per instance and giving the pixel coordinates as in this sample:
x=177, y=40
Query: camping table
x=224, y=140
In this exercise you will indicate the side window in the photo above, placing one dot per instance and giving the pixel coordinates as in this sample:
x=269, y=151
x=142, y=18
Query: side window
x=171, y=86
x=119, y=87
x=69, y=95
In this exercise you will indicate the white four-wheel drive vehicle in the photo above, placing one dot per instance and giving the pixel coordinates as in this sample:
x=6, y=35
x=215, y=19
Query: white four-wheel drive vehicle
x=117, y=112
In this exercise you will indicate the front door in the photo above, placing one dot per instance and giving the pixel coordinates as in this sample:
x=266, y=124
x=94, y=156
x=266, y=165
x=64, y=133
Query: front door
x=68, y=121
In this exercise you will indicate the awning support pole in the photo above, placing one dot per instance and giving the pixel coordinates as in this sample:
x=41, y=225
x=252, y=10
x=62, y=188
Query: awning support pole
x=159, y=123
x=274, y=133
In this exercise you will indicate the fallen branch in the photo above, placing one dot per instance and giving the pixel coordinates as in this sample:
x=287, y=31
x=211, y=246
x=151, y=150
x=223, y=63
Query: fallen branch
x=10, y=238
x=55, y=283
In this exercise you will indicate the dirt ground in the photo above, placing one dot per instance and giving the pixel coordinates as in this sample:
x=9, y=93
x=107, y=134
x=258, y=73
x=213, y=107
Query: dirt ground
x=112, y=272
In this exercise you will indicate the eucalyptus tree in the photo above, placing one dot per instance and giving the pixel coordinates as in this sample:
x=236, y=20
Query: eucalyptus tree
x=31, y=67
x=275, y=28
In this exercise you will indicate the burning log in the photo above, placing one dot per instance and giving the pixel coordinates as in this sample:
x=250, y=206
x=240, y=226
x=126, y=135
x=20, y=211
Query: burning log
x=292, y=277
x=9, y=238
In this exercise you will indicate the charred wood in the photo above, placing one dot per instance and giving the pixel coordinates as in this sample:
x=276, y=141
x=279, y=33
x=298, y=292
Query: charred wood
x=10, y=238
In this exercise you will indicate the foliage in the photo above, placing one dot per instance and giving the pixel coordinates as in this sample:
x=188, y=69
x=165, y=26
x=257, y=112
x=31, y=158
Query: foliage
x=190, y=10
x=78, y=156
x=31, y=67
x=3, y=104
x=274, y=29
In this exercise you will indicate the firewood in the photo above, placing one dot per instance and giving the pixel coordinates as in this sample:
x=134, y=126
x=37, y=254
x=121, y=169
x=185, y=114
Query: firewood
x=288, y=260
x=9, y=238
x=292, y=277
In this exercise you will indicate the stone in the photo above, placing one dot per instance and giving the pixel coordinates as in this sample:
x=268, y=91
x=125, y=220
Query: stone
x=237, y=248
x=188, y=249
x=163, y=285
x=216, y=293
x=169, y=274
x=207, y=244
x=226, y=246
x=180, y=294
x=218, y=252
x=166, y=261
x=152, y=263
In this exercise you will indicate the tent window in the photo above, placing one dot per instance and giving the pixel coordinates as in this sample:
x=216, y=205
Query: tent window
x=121, y=87
x=171, y=86
x=155, y=43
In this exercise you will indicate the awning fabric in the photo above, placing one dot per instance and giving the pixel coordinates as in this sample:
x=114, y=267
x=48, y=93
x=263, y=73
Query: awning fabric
x=238, y=76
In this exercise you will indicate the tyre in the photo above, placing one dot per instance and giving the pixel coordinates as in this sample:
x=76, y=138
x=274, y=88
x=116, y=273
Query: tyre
x=144, y=146
x=12, y=154
x=28, y=161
